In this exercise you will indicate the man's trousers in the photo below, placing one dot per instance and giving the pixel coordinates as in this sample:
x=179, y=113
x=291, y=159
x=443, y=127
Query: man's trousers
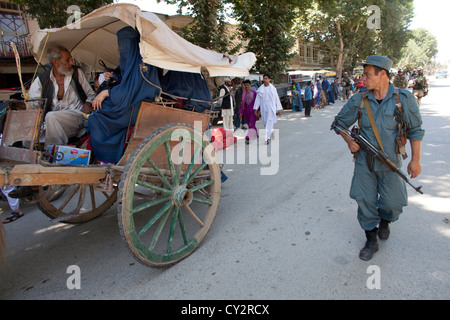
x=379, y=195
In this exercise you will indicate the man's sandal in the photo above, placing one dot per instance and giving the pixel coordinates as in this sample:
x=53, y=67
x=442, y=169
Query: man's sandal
x=13, y=217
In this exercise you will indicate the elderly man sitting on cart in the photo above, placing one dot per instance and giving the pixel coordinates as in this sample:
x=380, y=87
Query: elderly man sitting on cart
x=68, y=94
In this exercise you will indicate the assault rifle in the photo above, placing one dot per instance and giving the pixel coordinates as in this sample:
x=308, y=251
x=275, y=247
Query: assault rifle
x=374, y=153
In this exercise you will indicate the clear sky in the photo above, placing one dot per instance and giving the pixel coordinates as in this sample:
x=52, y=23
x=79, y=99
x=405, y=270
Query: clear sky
x=429, y=14
x=433, y=15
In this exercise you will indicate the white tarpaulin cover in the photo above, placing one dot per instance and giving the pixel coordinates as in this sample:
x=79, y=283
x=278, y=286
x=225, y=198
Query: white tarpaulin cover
x=93, y=37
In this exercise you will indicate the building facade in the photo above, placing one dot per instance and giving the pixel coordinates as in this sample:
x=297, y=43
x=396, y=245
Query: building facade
x=307, y=56
x=15, y=27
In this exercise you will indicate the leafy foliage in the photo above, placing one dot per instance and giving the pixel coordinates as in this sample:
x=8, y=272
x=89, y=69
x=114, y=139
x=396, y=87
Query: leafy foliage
x=267, y=25
x=396, y=17
x=338, y=28
x=341, y=30
x=208, y=28
x=53, y=13
x=265, y=28
x=269, y=28
x=419, y=50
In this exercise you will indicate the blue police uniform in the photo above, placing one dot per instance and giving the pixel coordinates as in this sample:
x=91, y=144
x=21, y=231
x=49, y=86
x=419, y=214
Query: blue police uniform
x=380, y=194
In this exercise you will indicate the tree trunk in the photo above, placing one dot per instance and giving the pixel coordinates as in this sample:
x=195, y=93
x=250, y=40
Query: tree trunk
x=340, y=59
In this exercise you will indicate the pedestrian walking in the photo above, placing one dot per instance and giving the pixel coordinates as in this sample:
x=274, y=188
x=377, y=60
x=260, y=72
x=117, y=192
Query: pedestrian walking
x=246, y=111
x=400, y=80
x=16, y=213
x=335, y=87
x=329, y=92
x=238, y=121
x=297, y=104
x=268, y=101
x=227, y=104
x=308, y=99
x=317, y=93
x=420, y=85
x=346, y=84
x=323, y=93
x=379, y=192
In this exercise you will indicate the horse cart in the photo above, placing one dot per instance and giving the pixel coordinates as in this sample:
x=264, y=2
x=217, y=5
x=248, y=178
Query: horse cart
x=167, y=183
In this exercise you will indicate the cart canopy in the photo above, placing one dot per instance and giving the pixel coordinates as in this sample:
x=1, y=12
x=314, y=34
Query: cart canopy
x=93, y=37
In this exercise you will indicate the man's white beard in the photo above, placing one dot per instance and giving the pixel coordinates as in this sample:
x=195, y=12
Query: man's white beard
x=64, y=72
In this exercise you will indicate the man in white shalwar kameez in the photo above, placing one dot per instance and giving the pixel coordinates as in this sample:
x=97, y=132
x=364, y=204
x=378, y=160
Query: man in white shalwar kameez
x=268, y=101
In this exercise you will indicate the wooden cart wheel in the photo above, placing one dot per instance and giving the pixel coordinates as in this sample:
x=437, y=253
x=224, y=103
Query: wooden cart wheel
x=164, y=214
x=74, y=203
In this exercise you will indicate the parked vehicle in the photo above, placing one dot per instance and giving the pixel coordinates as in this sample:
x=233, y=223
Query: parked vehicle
x=283, y=89
x=441, y=74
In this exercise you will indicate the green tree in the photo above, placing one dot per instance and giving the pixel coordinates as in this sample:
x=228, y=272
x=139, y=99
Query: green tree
x=208, y=28
x=344, y=32
x=427, y=41
x=338, y=27
x=54, y=13
x=267, y=26
x=419, y=51
x=393, y=35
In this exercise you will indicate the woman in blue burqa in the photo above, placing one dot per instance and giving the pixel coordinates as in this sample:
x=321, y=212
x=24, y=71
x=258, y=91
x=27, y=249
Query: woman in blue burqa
x=117, y=108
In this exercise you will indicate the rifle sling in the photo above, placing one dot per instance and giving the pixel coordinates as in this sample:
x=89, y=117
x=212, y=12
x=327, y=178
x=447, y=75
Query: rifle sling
x=372, y=121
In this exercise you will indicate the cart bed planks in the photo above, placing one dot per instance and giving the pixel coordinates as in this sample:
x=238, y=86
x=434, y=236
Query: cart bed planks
x=36, y=174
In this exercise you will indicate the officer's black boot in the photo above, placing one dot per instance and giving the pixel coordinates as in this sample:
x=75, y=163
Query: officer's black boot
x=383, y=230
x=371, y=246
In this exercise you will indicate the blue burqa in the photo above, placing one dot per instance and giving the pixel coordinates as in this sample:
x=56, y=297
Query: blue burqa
x=326, y=86
x=109, y=125
x=190, y=86
x=317, y=90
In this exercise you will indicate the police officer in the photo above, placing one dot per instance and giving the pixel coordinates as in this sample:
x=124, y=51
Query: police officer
x=419, y=85
x=400, y=80
x=346, y=86
x=380, y=194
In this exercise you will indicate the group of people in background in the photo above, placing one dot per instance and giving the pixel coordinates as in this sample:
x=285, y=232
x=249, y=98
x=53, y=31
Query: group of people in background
x=238, y=105
x=415, y=81
x=246, y=106
x=320, y=93
x=317, y=95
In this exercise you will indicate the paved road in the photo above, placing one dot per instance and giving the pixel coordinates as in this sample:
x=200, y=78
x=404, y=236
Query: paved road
x=291, y=235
